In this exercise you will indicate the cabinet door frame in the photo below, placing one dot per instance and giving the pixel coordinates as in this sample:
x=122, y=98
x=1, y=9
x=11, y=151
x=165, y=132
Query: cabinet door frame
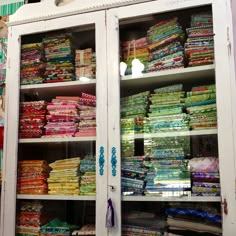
x=9, y=196
x=223, y=78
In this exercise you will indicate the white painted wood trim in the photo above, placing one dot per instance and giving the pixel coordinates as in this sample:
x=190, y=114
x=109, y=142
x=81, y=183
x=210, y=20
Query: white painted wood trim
x=11, y=135
x=102, y=120
x=48, y=10
x=225, y=115
x=114, y=117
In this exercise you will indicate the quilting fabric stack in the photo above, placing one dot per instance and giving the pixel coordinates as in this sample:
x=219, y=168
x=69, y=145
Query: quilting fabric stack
x=87, y=108
x=166, y=110
x=199, y=47
x=32, y=64
x=88, y=177
x=127, y=140
x=192, y=219
x=85, y=63
x=62, y=117
x=168, y=173
x=133, y=173
x=143, y=223
x=64, y=177
x=32, y=119
x=135, y=105
x=85, y=230
x=201, y=106
x=32, y=177
x=133, y=109
x=30, y=217
x=59, y=58
x=205, y=176
x=165, y=44
x=57, y=227
x=135, y=49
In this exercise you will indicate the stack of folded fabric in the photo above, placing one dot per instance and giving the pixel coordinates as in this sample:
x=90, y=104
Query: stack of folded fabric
x=205, y=176
x=85, y=63
x=64, y=177
x=166, y=110
x=194, y=219
x=165, y=41
x=168, y=173
x=32, y=64
x=32, y=119
x=88, y=177
x=135, y=105
x=133, y=173
x=135, y=49
x=32, y=177
x=201, y=106
x=87, y=124
x=199, y=47
x=62, y=117
x=85, y=230
x=59, y=57
x=127, y=141
x=30, y=217
x=143, y=223
x=57, y=227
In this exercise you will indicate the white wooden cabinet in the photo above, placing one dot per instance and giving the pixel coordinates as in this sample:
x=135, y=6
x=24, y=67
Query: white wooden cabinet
x=108, y=21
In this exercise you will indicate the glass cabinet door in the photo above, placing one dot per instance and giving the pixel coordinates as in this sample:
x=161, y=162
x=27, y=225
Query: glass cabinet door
x=56, y=175
x=169, y=152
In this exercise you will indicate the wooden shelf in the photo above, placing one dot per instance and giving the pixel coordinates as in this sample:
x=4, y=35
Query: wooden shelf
x=58, y=140
x=56, y=197
x=189, y=74
x=170, y=199
x=172, y=134
x=70, y=88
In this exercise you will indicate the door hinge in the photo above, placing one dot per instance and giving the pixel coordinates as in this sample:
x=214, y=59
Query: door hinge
x=224, y=206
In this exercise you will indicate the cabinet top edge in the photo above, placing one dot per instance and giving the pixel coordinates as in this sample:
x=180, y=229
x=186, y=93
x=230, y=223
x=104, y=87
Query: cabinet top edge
x=47, y=9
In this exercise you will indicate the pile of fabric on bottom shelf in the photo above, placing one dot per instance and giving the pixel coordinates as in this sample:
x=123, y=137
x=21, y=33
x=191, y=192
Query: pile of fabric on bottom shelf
x=199, y=47
x=142, y=224
x=205, y=176
x=85, y=64
x=165, y=41
x=32, y=64
x=87, y=113
x=30, y=217
x=32, y=177
x=88, y=176
x=64, y=178
x=57, y=227
x=85, y=230
x=32, y=119
x=60, y=58
x=194, y=219
x=201, y=106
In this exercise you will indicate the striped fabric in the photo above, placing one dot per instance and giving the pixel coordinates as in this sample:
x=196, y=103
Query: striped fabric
x=9, y=7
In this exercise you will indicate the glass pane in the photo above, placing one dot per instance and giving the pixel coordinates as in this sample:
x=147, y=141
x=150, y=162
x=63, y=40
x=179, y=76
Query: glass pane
x=56, y=177
x=168, y=115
